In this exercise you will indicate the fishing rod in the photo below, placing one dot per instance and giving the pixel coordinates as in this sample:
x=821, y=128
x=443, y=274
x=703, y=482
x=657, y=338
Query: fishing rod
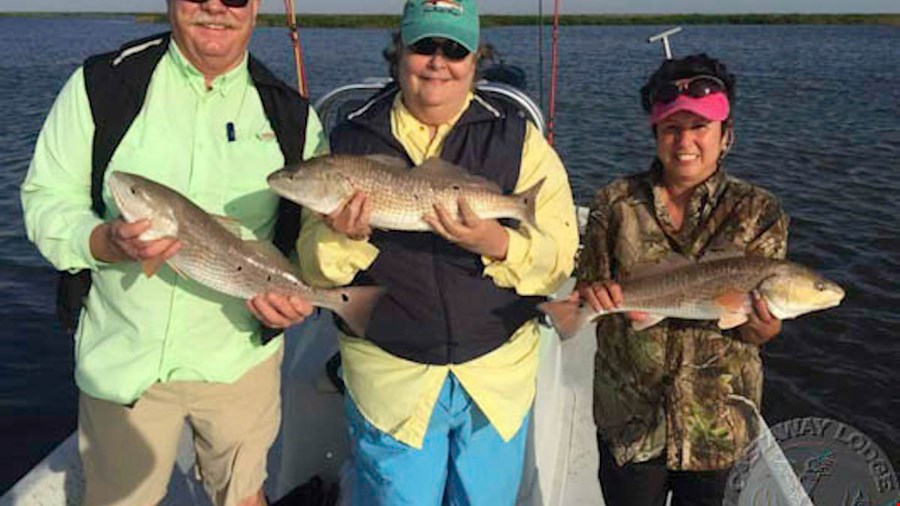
x=291, y=19
x=554, y=64
x=540, y=52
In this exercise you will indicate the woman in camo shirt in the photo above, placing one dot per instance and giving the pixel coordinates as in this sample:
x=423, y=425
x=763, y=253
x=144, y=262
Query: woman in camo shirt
x=664, y=396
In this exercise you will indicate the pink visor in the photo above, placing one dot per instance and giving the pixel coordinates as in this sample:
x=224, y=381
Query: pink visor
x=713, y=107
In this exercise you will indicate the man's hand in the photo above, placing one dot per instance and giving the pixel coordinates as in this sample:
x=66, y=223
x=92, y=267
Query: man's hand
x=485, y=237
x=119, y=241
x=352, y=218
x=278, y=311
x=761, y=326
x=605, y=296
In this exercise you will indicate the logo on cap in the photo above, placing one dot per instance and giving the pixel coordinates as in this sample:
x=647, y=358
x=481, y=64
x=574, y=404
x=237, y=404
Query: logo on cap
x=442, y=6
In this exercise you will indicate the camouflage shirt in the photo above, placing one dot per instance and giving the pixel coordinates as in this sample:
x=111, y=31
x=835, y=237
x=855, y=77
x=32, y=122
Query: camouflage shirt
x=666, y=389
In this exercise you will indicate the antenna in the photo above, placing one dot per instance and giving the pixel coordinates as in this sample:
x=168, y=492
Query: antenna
x=664, y=36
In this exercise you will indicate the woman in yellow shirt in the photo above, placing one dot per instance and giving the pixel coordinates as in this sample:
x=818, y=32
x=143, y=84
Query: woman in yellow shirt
x=440, y=387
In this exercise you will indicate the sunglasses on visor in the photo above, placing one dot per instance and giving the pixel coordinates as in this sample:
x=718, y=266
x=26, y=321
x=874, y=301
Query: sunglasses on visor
x=226, y=3
x=451, y=49
x=695, y=87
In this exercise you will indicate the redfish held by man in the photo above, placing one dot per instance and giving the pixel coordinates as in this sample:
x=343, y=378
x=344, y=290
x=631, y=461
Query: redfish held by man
x=718, y=289
x=400, y=196
x=213, y=254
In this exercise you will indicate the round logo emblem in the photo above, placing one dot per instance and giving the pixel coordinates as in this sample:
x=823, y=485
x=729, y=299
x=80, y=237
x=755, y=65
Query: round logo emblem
x=808, y=461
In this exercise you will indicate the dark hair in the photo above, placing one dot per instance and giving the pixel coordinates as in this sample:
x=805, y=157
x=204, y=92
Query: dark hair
x=683, y=68
x=392, y=56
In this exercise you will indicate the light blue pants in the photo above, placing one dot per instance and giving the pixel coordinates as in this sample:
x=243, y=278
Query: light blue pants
x=463, y=460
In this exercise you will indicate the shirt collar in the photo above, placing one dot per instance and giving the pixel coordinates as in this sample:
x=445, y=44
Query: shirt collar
x=405, y=117
x=416, y=136
x=703, y=201
x=707, y=192
x=221, y=84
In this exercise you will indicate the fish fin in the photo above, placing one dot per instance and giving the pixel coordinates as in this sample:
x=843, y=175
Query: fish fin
x=528, y=198
x=666, y=265
x=568, y=317
x=151, y=266
x=229, y=223
x=646, y=323
x=729, y=251
x=440, y=170
x=390, y=161
x=734, y=302
x=732, y=320
x=357, y=305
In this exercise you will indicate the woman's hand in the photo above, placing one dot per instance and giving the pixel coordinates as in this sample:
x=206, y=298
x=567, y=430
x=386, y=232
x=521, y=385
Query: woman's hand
x=605, y=296
x=352, y=218
x=484, y=237
x=761, y=326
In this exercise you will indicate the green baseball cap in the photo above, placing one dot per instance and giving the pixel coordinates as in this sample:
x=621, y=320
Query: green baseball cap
x=449, y=19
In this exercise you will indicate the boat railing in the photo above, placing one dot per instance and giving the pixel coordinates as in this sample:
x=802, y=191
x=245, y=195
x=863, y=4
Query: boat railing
x=334, y=106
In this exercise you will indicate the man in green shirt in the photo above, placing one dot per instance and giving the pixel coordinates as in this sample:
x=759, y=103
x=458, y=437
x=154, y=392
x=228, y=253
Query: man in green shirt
x=154, y=352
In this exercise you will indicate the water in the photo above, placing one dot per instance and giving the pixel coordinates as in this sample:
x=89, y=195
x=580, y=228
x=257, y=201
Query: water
x=818, y=123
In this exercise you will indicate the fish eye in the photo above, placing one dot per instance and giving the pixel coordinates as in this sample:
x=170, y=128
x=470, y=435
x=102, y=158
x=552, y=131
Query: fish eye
x=133, y=191
x=820, y=286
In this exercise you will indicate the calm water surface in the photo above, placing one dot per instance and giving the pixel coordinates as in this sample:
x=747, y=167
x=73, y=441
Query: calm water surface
x=818, y=123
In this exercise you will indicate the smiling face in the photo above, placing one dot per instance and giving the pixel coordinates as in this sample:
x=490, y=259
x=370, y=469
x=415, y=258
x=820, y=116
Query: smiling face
x=689, y=147
x=434, y=88
x=212, y=36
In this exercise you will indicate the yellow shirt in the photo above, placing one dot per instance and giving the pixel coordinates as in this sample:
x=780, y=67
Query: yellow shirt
x=397, y=395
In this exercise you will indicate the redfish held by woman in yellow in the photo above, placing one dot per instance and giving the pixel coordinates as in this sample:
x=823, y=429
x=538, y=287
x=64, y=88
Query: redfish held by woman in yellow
x=719, y=289
x=400, y=195
x=213, y=254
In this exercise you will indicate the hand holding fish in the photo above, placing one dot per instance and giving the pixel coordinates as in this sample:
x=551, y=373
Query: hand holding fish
x=278, y=311
x=119, y=241
x=761, y=326
x=352, y=218
x=604, y=296
x=485, y=237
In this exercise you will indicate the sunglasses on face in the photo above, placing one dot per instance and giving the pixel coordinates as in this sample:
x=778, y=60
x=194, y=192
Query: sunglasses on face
x=451, y=49
x=695, y=87
x=226, y=3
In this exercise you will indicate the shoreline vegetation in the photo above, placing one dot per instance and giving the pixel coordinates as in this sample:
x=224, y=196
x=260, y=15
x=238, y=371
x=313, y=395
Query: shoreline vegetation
x=489, y=20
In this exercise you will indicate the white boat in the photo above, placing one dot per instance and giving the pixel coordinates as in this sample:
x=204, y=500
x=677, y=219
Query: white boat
x=561, y=453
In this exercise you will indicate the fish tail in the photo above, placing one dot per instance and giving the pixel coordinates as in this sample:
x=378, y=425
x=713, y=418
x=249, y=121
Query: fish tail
x=568, y=317
x=357, y=305
x=528, y=199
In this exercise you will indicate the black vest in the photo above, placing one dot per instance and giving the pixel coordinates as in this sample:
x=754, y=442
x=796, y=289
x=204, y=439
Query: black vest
x=439, y=308
x=116, y=85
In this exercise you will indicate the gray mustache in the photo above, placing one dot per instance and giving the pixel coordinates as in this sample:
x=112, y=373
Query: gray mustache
x=207, y=20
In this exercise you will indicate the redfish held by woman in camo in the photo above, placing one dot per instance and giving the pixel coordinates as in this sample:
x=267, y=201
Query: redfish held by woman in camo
x=717, y=289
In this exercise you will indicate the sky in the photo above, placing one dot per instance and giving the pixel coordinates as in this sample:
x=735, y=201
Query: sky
x=498, y=6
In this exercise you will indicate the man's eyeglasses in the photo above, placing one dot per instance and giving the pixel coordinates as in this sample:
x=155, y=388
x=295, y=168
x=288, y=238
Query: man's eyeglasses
x=227, y=3
x=695, y=87
x=451, y=49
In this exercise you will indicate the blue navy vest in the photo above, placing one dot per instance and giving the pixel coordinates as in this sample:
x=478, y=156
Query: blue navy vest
x=439, y=307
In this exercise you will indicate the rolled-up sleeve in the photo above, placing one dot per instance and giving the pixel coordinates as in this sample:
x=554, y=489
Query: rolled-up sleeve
x=328, y=258
x=538, y=262
x=56, y=193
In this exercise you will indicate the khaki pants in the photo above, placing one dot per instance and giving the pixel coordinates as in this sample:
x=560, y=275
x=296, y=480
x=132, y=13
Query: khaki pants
x=128, y=454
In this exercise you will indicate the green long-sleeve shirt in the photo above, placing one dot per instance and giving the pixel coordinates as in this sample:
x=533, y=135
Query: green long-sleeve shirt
x=136, y=331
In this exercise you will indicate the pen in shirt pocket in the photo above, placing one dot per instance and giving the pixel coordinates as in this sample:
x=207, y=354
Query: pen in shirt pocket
x=229, y=131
